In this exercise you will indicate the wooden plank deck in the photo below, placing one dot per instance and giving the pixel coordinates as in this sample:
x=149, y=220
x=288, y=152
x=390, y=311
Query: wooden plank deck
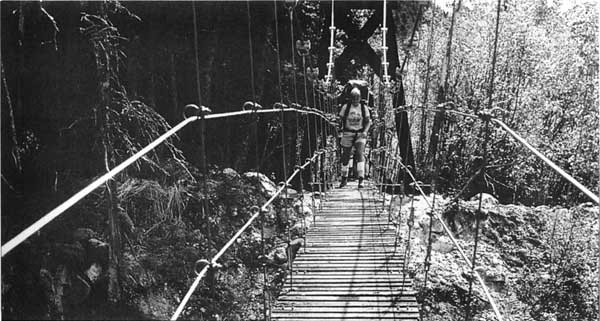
x=350, y=268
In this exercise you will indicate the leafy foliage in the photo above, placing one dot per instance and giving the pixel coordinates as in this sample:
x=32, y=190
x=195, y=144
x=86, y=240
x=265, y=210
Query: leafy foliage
x=544, y=83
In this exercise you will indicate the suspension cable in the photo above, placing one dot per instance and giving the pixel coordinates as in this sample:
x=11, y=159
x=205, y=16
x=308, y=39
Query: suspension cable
x=199, y=92
x=250, y=49
x=293, y=53
x=295, y=85
x=385, y=64
x=329, y=76
x=278, y=51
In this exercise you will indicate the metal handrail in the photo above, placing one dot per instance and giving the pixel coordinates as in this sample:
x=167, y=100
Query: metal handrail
x=201, y=112
x=515, y=135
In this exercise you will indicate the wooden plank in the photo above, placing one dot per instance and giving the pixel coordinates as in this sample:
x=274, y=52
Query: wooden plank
x=347, y=303
x=406, y=296
x=348, y=309
x=345, y=315
x=349, y=261
x=350, y=267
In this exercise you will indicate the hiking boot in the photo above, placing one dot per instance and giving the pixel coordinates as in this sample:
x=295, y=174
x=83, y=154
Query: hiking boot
x=360, y=182
x=344, y=182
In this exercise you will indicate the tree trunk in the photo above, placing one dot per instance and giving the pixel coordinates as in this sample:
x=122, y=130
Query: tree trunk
x=443, y=90
x=422, y=136
x=403, y=132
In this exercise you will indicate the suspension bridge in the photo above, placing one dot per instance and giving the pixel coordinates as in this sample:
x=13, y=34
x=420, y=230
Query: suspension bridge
x=353, y=265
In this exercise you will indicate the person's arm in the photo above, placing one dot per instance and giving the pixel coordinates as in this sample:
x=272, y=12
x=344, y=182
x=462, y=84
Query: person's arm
x=367, y=121
x=341, y=117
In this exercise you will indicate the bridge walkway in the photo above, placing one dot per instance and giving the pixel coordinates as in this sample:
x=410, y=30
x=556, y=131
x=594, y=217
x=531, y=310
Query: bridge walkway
x=351, y=266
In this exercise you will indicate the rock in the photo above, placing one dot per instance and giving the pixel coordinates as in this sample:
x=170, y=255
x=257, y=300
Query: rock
x=231, y=174
x=443, y=245
x=295, y=245
x=93, y=272
x=291, y=194
x=279, y=255
x=265, y=184
x=487, y=200
x=302, y=209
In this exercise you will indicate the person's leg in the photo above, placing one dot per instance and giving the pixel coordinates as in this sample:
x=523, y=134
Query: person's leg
x=360, y=161
x=346, y=144
x=345, y=159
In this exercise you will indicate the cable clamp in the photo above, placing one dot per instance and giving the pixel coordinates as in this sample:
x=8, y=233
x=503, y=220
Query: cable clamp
x=446, y=105
x=296, y=106
x=484, y=115
x=192, y=110
x=202, y=263
x=251, y=105
x=279, y=105
x=254, y=209
x=281, y=184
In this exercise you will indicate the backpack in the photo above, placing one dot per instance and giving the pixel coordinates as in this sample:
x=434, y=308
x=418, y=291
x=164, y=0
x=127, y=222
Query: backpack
x=347, y=112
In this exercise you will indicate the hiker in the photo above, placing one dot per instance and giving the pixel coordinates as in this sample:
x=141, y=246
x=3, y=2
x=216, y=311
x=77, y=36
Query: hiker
x=355, y=123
